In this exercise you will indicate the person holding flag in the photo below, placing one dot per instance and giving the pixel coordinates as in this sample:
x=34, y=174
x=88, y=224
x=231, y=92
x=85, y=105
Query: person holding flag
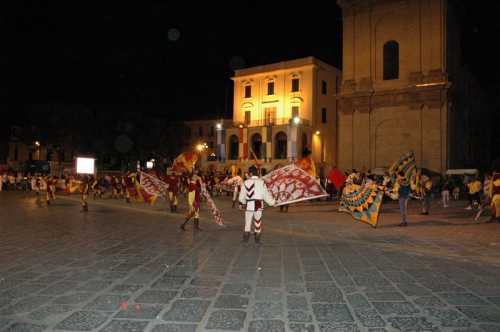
x=252, y=196
x=236, y=182
x=194, y=201
x=172, y=179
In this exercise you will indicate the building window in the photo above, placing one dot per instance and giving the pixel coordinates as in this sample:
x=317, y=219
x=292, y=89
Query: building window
x=323, y=87
x=188, y=132
x=211, y=132
x=200, y=131
x=248, y=117
x=211, y=144
x=234, y=146
x=248, y=91
x=305, y=146
x=269, y=116
x=323, y=115
x=295, y=111
x=270, y=88
x=295, y=85
x=257, y=145
x=280, y=145
x=391, y=60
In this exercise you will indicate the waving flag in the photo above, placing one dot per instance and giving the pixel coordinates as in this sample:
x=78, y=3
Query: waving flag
x=337, y=178
x=185, y=162
x=408, y=166
x=363, y=201
x=151, y=187
x=291, y=184
x=211, y=206
x=307, y=164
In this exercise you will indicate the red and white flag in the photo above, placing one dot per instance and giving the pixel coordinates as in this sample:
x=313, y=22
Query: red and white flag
x=152, y=186
x=291, y=184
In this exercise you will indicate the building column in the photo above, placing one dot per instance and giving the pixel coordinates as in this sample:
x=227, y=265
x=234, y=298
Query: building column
x=221, y=145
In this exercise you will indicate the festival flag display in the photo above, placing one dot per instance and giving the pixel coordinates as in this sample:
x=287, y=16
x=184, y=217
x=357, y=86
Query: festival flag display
x=185, y=162
x=151, y=187
x=408, y=166
x=291, y=184
x=337, y=178
x=363, y=202
x=307, y=164
x=211, y=206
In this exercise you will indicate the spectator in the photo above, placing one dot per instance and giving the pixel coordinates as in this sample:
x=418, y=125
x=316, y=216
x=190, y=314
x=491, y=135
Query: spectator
x=445, y=192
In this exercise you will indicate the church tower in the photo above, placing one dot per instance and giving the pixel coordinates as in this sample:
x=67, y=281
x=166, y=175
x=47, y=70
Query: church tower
x=394, y=93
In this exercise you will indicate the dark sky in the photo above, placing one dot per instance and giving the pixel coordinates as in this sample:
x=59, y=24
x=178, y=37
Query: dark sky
x=178, y=58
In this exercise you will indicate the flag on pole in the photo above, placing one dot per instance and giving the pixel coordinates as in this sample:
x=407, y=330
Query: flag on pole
x=185, y=162
x=151, y=187
x=291, y=184
x=363, y=202
x=211, y=206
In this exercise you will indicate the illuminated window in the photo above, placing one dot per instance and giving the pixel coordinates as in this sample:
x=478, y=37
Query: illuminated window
x=295, y=111
x=391, y=60
x=248, y=117
x=269, y=115
x=323, y=115
x=270, y=88
x=248, y=91
x=323, y=87
x=295, y=85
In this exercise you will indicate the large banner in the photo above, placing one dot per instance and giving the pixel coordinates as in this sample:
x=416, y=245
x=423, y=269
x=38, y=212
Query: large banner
x=291, y=184
x=363, y=201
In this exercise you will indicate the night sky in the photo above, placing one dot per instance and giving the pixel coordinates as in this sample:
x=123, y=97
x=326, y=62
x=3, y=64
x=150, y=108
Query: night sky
x=177, y=59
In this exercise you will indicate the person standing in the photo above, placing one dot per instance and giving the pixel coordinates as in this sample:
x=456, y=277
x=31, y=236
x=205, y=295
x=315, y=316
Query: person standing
x=474, y=188
x=173, y=187
x=85, y=189
x=494, y=194
x=194, y=201
x=252, y=196
x=404, y=194
x=236, y=182
x=426, y=194
x=445, y=193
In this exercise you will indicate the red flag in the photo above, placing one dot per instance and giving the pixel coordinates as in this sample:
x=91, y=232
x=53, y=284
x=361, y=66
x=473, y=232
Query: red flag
x=336, y=177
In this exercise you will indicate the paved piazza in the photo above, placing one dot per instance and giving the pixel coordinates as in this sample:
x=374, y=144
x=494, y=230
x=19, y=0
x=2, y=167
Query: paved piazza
x=129, y=268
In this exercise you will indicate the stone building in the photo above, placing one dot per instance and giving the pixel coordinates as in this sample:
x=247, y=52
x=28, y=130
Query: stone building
x=399, y=62
x=283, y=109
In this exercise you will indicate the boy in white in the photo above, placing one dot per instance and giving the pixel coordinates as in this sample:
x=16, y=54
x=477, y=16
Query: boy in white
x=253, y=194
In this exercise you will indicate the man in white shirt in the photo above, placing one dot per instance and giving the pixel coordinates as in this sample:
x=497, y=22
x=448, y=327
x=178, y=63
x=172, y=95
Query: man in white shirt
x=252, y=196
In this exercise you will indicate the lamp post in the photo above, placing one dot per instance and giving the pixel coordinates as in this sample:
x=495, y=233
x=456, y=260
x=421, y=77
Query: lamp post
x=37, y=144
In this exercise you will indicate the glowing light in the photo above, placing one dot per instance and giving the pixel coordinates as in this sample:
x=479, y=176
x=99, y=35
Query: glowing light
x=85, y=165
x=430, y=84
x=149, y=164
x=241, y=126
x=218, y=126
x=317, y=132
x=199, y=147
x=37, y=143
x=296, y=120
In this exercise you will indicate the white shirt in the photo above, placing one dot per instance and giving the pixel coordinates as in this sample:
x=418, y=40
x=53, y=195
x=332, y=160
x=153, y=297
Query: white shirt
x=254, y=189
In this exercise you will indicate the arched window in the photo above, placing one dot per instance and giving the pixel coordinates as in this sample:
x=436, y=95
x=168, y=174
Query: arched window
x=257, y=145
x=391, y=60
x=280, y=145
x=234, y=145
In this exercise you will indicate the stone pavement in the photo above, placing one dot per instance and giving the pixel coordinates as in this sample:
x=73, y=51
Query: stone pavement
x=126, y=268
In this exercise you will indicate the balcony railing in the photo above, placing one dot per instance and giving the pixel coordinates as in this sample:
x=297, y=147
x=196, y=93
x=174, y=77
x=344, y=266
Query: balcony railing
x=274, y=122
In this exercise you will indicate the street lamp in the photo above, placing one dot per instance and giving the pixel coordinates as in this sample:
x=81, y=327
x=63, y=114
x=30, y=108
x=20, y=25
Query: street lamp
x=37, y=143
x=317, y=132
x=296, y=120
x=218, y=126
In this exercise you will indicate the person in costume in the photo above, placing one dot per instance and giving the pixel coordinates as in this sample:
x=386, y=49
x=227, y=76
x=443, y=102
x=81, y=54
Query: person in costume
x=194, y=184
x=426, y=192
x=51, y=189
x=474, y=188
x=403, y=189
x=494, y=196
x=252, y=196
x=236, y=182
x=172, y=179
x=85, y=189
